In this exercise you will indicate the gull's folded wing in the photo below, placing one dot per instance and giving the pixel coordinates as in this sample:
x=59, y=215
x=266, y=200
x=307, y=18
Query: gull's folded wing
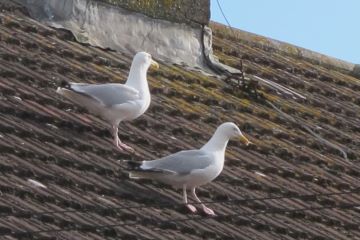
x=182, y=162
x=107, y=94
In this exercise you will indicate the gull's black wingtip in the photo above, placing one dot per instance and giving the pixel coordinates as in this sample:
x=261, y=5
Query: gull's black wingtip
x=65, y=84
x=132, y=165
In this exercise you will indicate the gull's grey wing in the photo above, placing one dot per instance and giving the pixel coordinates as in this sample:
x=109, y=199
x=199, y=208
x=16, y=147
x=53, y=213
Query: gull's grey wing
x=107, y=94
x=182, y=162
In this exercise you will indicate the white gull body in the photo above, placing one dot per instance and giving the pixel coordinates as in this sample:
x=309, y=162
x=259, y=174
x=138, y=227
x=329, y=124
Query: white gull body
x=115, y=102
x=192, y=168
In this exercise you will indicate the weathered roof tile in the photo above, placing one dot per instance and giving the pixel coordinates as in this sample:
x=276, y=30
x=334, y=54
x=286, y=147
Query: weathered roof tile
x=61, y=176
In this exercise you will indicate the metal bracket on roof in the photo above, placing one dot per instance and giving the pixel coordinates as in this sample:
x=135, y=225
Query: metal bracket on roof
x=240, y=76
x=244, y=84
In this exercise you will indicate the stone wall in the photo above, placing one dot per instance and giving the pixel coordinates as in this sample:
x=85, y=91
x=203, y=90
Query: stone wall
x=176, y=31
x=181, y=11
x=108, y=26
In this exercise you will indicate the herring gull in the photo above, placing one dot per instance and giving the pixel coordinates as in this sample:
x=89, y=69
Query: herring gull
x=115, y=102
x=191, y=168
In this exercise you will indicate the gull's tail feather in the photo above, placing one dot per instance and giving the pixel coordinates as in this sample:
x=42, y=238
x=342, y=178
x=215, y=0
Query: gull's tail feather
x=69, y=93
x=64, y=88
x=144, y=174
x=67, y=90
x=137, y=170
x=149, y=174
x=61, y=91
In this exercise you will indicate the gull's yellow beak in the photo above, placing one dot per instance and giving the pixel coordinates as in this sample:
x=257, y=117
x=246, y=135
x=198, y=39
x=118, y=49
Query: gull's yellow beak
x=244, y=140
x=154, y=64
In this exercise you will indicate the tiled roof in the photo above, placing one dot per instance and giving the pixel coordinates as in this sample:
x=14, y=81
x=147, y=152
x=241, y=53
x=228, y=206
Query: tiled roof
x=60, y=173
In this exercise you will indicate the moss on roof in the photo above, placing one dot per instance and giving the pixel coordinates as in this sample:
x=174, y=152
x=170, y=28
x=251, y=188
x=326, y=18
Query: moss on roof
x=183, y=11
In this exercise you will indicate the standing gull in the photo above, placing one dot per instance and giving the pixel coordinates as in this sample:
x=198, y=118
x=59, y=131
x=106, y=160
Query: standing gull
x=115, y=102
x=192, y=168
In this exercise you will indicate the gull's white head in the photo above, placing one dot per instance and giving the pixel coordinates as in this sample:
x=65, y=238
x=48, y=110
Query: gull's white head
x=144, y=59
x=230, y=130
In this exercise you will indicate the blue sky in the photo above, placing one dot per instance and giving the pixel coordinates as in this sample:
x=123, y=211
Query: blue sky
x=331, y=27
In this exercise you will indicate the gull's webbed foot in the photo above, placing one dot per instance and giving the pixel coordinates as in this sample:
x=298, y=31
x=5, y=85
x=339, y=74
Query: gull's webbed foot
x=125, y=147
x=192, y=208
x=208, y=211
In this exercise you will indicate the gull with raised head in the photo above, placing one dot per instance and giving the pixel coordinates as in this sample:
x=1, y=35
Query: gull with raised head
x=191, y=168
x=115, y=102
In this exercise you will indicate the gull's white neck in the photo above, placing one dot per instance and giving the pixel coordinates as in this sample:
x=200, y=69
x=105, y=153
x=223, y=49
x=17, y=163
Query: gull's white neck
x=217, y=142
x=137, y=79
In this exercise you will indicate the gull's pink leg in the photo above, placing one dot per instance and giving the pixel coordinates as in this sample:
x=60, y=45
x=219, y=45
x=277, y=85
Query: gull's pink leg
x=206, y=210
x=189, y=206
x=116, y=136
x=117, y=141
